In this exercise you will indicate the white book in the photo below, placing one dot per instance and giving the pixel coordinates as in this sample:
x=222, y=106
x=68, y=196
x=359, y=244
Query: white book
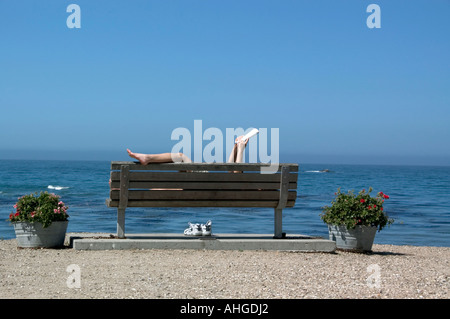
x=250, y=134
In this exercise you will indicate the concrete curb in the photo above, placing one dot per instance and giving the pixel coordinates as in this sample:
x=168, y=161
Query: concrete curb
x=299, y=243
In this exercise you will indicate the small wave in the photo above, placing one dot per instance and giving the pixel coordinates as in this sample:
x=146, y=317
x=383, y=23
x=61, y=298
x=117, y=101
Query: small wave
x=321, y=171
x=58, y=188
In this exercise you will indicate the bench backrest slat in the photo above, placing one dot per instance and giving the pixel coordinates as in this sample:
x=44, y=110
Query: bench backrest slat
x=202, y=195
x=203, y=185
x=203, y=177
x=201, y=203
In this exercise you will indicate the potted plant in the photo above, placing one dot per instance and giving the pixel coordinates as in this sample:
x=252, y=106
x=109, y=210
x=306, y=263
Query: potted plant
x=354, y=219
x=40, y=220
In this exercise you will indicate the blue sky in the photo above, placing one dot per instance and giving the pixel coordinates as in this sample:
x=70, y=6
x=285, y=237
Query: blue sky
x=338, y=91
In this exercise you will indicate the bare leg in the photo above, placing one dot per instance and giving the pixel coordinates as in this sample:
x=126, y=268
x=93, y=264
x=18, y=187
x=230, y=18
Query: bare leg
x=233, y=154
x=180, y=158
x=240, y=152
x=145, y=159
x=237, y=154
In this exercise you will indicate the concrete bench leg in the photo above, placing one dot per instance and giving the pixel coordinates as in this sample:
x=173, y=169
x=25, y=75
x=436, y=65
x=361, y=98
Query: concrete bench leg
x=121, y=222
x=278, y=233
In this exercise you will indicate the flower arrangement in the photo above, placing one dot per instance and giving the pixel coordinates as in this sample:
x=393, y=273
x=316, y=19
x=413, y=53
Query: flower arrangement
x=44, y=208
x=350, y=210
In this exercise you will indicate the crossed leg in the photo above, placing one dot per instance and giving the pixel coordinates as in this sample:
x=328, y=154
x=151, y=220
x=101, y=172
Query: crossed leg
x=237, y=153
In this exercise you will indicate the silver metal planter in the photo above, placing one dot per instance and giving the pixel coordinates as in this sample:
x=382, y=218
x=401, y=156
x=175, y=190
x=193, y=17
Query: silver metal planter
x=358, y=239
x=33, y=235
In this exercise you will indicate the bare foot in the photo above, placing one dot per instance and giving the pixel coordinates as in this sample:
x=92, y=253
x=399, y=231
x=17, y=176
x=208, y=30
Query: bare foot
x=144, y=159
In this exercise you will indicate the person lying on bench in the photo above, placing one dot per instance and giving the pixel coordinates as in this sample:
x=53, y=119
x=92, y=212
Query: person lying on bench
x=236, y=155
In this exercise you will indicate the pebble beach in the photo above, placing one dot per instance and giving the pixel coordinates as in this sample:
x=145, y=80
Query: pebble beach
x=389, y=272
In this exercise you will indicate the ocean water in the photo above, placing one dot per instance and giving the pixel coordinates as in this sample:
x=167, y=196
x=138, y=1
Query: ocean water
x=419, y=201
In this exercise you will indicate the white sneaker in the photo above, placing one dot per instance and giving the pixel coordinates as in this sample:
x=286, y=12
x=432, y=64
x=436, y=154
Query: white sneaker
x=206, y=228
x=193, y=230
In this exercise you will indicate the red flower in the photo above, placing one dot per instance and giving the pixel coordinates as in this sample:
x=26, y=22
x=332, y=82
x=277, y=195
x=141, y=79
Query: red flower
x=11, y=216
x=381, y=208
x=369, y=207
x=385, y=196
x=362, y=200
x=16, y=214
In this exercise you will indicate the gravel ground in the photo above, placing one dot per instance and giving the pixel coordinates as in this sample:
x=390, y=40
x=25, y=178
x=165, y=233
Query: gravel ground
x=388, y=272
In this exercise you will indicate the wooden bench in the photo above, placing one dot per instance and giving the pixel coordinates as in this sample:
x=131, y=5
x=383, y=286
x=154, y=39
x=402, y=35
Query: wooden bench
x=202, y=185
